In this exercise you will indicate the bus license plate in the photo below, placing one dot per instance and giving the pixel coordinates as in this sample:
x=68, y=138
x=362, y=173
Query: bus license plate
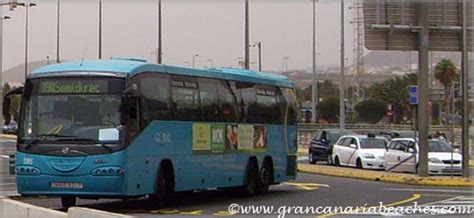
x=72, y=185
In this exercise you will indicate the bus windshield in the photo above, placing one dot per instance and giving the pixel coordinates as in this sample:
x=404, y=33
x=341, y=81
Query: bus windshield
x=85, y=108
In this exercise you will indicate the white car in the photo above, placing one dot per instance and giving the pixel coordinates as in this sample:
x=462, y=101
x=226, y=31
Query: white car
x=361, y=151
x=402, y=156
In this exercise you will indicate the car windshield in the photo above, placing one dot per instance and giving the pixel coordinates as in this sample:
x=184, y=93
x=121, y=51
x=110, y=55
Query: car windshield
x=437, y=146
x=334, y=136
x=369, y=143
x=89, y=112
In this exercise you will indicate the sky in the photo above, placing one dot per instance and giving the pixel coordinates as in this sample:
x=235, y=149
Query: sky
x=213, y=29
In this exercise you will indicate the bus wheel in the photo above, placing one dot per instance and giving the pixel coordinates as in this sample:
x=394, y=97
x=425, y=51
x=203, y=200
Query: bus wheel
x=266, y=177
x=251, y=181
x=68, y=201
x=164, y=184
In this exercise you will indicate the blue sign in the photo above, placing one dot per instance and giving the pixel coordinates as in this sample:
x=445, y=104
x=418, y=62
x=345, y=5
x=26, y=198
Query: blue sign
x=413, y=98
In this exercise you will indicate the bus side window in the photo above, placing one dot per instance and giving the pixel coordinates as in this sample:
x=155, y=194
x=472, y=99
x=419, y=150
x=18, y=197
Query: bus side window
x=155, y=90
x=209, y=103
x=248, y=102
x=291, y=100
x=267, y=102
x=185, y=97
x=227, y=103
x=281, y=106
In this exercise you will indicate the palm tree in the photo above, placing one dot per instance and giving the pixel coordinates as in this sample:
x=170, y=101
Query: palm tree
x=446, y=72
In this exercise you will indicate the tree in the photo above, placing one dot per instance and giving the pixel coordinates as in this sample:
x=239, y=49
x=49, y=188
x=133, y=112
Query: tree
x=371, y=110
x=395, y=92
x=328, y=109
x=446, y=72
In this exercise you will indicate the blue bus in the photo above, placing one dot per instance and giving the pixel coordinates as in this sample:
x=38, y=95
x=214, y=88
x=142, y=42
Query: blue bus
x=125, y=128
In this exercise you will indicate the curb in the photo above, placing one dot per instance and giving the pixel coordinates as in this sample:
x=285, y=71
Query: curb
x=384, y=177
x=8, y=136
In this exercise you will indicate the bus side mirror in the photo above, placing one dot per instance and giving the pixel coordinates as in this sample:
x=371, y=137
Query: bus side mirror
x=125, y=109
x=7, y=103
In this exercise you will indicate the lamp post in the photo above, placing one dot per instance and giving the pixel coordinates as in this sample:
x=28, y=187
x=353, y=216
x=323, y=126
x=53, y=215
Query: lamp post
x=315, y=88
x=285, y=63
x=57, y=30
x=342, y=110
x=194, y=59
x=247, y=37
x=100, y=29
x=1, y=46
x=27, y=6
x=259, y=46
x=211, y=62
x=159, y=57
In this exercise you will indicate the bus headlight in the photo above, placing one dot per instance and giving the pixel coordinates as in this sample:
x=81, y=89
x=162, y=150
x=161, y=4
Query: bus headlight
x=108, y=171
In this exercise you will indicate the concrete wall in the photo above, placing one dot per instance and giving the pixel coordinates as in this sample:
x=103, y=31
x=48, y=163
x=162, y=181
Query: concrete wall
x=80, y=212
x=15, y=209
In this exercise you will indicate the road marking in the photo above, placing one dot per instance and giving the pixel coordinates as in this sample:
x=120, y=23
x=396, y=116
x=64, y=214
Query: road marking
x=307, y=186
x=5, y=156
x=196, y=212
x=165, y=211
x=413, y=198
x=430, y=190
x=223, y=213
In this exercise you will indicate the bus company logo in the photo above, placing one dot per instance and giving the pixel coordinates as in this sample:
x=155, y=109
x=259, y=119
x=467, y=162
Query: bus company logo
x=28, y=161
x=65, y=150
x=162, y=137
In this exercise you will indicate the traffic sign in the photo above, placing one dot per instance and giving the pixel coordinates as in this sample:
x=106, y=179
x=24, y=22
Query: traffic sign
x=413, y=95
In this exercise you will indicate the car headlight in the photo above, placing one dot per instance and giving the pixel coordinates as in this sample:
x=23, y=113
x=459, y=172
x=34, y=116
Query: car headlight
x=369, y=156
x=435, y=160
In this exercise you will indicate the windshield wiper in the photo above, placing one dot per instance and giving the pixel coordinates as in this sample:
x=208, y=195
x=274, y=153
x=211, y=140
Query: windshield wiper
x=74, y=138
x=40, y=137
x=59, y=137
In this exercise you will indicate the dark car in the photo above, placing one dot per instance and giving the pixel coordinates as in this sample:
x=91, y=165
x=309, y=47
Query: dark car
x=320, y=147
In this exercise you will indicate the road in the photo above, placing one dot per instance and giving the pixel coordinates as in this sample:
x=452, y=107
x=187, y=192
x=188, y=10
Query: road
x=306, y=192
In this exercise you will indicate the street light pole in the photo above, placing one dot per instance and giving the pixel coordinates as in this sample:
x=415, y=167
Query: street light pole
x=194, y=60
x=464, y=87
x=314, y=101
x=27, y=6
x=1, y=45
x=247, y=37
x=342, y=110
x=211, y=62
x=100, y=29
x=57, y=31
x=159, y=43
x=259, y=44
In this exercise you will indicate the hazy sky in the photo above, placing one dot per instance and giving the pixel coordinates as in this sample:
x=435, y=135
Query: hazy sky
x=211, y=28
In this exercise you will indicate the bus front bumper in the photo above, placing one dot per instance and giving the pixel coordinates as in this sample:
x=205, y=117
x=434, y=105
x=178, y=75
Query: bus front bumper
x=85, y=185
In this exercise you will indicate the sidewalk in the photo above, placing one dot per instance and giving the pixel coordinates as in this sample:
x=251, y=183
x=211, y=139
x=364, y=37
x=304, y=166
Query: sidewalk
x=383, y=176
x=304, y=152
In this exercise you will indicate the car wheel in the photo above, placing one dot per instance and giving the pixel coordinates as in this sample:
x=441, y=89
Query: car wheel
x=329, y=160
x=310, y=158
x=359, y=164
x=336, y=161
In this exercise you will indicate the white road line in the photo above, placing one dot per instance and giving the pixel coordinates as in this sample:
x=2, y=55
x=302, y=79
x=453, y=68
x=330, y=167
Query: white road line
x=431, y=190
x=5, y=156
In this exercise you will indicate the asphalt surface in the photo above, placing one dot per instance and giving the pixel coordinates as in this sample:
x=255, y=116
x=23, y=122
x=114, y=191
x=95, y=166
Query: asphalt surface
x=307, y=192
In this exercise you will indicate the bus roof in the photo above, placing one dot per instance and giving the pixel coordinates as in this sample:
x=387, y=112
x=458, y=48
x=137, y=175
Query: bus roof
x=133, y=66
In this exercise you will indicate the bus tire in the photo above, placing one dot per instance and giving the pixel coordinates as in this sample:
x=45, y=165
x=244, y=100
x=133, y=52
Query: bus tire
x=68, y=201
x=266, y=177
x=164, y=183
x=251, y=179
